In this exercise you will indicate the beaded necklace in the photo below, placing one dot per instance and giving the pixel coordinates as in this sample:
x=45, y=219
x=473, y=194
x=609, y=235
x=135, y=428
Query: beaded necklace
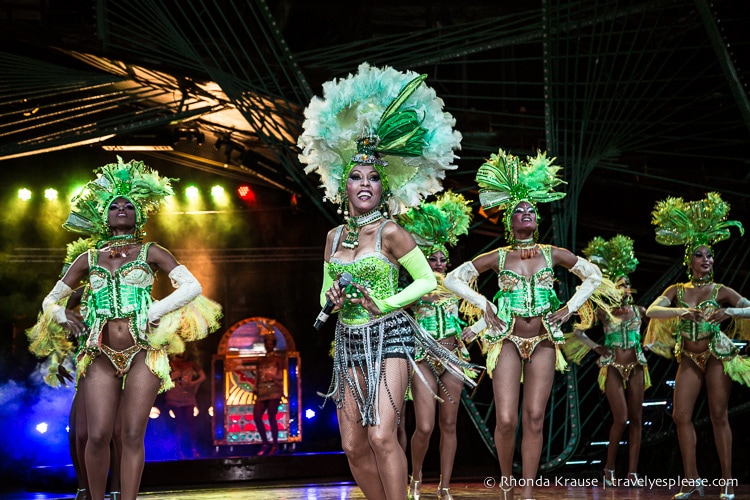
x=118, y=246
x=353, y=224
x=528, y=248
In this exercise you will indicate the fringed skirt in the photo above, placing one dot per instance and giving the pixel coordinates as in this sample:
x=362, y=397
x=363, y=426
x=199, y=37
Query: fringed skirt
x=359, y=358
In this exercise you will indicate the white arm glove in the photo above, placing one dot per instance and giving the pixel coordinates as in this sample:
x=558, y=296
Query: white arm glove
x=50, y=303
x=477, y=327
x=457, y=281
x=659, y=308
x=187, y=288
x=591, y=276
x=741, y=310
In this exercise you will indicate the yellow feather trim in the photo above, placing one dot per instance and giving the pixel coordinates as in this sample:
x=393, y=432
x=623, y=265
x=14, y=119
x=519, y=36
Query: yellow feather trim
x=659, y=337
x=573, y=349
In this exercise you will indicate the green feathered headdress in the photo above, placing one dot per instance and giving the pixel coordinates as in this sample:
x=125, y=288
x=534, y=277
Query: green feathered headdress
x=438, y=224
x=133, y=180
x=693, y=224
x=614, y=257
x=383, y=117
x=505, y=181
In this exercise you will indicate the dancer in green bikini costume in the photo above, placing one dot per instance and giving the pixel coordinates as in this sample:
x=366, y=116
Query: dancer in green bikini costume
x=686, y=324
x=523, y=333
x=122, y=360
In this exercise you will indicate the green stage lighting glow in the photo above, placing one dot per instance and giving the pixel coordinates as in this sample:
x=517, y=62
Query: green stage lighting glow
x=24, y=194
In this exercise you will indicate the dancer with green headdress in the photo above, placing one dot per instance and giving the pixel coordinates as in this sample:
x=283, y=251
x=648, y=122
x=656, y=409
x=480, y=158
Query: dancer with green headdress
x=125, y=335
x=686, y=322
x=435, y=226
x=523, y=332
x=622, y=364
x=380, y=142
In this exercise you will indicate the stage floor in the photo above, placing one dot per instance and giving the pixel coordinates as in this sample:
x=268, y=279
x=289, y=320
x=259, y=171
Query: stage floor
x=339, y=491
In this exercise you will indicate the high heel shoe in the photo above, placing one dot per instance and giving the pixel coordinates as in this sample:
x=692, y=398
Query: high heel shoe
x=725, y=495
x=507, y=493
x=444, y=493
x=81, y=494
x=697, y=488
x=633, y=480
x=609, y=477
x=115, y=495
x=413, y=493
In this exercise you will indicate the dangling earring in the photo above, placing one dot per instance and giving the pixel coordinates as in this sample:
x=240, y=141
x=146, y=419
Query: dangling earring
x=344, y=207
x=383, y=207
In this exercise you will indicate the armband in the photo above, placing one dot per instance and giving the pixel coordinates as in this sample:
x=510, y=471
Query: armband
x=186, y=289
x=591, y=276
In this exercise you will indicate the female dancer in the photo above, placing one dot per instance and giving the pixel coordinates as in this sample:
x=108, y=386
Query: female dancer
x=126, y=332
x=687, y=318
x=527, y=318
x=375, y=338
x=621, y=360
x=435, y=226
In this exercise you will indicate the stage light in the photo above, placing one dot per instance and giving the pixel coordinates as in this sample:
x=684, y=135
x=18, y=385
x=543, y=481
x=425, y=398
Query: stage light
x=246, y=194
x=171, y=414
x=50, y=194
x=192, y=193
x=154, y=413
x=196, y=411
x=41, y=428
x=210, y=411
x=309, y=414
x=218, y=193
x=24, y=194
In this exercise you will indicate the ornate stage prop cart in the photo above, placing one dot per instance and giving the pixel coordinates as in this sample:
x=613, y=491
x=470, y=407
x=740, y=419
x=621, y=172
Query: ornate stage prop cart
x=234, y=374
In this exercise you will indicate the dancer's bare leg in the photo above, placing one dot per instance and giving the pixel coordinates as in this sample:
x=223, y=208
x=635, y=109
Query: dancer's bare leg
x=618, y=405
x=424, y=416
x=101, y=398
x=506, y=387
x=635, y=416
x=448, y=410
x=687, y=386
x=139, y=394
x=718, y=387
x=539, y=375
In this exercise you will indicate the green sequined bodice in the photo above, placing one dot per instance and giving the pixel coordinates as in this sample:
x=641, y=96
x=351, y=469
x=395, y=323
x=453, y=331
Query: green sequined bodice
x=625, y=334
x=123, y=293
x=373, y=271
x=702, y=330
x=524, y=297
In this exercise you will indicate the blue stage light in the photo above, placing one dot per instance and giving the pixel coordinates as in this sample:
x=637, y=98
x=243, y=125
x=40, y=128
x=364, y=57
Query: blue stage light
x=309, y=414
x=41, y=427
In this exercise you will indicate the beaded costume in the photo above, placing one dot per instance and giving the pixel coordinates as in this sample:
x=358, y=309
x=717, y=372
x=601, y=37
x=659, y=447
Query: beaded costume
x=519, y=297
x=697, y=224
x=440, y=318
x=624, y=334
x=665, y=337
x=362, y=342
x=616, y=259
x=185, y=315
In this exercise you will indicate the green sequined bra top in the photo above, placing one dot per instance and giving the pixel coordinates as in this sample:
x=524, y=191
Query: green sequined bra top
x=373, y=271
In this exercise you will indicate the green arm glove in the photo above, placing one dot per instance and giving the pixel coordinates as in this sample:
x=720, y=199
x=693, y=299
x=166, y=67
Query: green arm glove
x=424, y=282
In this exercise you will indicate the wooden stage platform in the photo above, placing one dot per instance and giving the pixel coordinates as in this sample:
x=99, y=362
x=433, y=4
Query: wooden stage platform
x=339, y=491
x=324, y=476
